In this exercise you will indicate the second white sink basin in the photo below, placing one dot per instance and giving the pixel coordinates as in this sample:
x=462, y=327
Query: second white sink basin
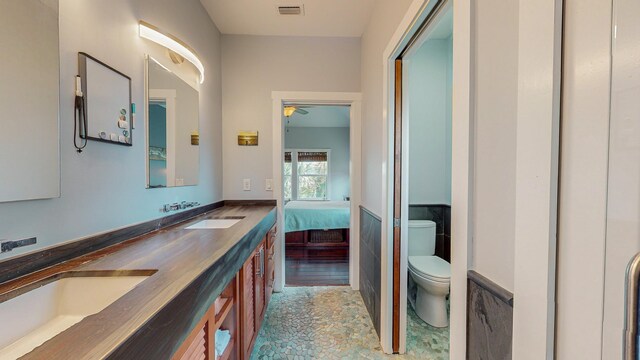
x=30, y=319
x=214, y=224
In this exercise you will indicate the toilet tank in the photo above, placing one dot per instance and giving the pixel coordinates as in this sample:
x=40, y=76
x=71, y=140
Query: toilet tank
x=422, y=238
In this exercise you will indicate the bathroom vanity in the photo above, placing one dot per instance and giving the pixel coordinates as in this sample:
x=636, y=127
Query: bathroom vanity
x=186, y=283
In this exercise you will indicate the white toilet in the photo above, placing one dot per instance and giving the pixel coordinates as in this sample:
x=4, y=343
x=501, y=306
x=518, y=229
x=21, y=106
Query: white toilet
x=431, y=273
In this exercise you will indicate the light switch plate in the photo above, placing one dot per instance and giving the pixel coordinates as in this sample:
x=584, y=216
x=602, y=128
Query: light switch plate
x=246, y=184
x=268, y=185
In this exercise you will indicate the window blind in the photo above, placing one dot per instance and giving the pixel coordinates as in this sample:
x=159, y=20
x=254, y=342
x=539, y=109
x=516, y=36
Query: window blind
x=287, y=157
x=311, y=156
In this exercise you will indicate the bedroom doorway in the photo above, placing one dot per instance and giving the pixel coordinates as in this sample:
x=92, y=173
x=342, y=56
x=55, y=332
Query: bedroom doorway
x=316, y=189
x=346, y=101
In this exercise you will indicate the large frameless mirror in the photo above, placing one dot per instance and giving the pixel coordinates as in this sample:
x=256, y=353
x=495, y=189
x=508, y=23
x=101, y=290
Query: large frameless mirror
x=29, y=99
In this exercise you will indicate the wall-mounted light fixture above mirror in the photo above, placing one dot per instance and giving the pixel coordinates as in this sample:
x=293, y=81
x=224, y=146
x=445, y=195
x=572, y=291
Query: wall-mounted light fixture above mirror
x=179, y=51
x=172, y=102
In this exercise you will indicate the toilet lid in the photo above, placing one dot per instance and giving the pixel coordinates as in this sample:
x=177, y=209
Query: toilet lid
x=431, y=266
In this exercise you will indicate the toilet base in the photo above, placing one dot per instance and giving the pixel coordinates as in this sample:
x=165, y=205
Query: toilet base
x=432, y=308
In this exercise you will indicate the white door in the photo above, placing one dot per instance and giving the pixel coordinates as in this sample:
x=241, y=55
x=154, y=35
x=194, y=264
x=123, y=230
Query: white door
x=623, y=197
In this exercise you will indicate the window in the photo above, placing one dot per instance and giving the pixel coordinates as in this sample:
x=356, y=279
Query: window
x=306, y=174
x=288, y=172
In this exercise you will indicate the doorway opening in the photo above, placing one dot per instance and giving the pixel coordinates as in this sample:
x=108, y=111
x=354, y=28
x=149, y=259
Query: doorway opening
x=422, y=186
x=316, y=189
x=351, y=102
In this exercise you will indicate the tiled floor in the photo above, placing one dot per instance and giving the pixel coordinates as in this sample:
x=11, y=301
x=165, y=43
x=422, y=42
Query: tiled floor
x=333, y=323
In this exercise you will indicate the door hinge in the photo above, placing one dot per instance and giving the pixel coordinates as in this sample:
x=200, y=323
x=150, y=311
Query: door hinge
x=396, y=222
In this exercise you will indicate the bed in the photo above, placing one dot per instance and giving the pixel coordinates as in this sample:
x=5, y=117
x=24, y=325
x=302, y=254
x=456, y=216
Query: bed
x=312, y=226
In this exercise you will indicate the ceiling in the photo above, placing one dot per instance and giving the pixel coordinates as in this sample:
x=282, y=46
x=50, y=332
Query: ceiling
x=337, y=18
x=444, y=27
x=320, y=116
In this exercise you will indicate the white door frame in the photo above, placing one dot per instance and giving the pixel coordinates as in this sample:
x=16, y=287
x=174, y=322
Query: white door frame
x=461, y=174
x=354, y=100
x=537, y=169
x=540, y=29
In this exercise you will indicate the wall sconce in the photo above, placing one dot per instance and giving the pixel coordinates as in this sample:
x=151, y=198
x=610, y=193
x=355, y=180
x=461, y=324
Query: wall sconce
x=248, y=138
x=172, y=43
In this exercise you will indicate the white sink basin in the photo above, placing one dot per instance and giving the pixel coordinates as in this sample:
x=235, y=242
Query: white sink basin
x=214, y=224
x=34, y=317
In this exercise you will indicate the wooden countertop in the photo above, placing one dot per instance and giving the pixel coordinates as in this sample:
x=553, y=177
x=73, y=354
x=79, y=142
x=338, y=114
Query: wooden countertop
x=153, y=319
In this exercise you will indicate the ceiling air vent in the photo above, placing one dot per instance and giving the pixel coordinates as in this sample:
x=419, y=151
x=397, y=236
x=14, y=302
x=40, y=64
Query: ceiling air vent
x=290, y=10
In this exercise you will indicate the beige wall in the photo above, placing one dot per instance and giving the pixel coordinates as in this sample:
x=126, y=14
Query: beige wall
x=253, y=67
x=385, y=19
x=104, y=187
x=496, y=91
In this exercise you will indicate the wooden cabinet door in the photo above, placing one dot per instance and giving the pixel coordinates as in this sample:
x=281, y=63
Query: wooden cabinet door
x=247, y=306
x=197, y=349
x=200, y=344
x=254, y=278
x=271, y=272
x=271, y=264
x=260, y=282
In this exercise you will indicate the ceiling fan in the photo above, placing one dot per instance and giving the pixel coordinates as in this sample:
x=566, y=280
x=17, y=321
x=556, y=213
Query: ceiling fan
x=300, y=109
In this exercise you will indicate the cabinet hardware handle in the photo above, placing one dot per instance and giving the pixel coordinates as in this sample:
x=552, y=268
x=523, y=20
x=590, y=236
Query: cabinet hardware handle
x=262, y=262
x=260, y=269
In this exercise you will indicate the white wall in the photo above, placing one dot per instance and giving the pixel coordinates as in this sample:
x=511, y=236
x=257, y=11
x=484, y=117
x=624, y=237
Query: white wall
x=104, y=187
x=496, y=91
x=429, y=97
x=385, y=19
x=334, y=138
x=253, y=67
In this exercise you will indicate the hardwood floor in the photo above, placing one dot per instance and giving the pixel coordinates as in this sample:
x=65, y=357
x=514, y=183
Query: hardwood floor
x=322, y=271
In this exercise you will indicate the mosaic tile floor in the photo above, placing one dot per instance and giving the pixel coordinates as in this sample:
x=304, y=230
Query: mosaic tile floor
x=333, y=323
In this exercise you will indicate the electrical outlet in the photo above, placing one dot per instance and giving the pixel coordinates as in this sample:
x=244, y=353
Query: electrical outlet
x=246, y=184
x=268, y=185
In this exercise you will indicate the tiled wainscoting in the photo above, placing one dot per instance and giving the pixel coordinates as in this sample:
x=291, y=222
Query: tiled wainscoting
x=370, y=263
x=441, y=215
x=489, y=319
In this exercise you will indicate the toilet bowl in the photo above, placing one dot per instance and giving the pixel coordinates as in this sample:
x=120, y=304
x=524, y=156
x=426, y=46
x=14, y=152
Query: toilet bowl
x=432, y=277
x=431, y=274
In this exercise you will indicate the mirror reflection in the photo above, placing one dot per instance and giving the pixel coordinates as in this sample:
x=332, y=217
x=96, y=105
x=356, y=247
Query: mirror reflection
x=29, y=89
x=173, y=137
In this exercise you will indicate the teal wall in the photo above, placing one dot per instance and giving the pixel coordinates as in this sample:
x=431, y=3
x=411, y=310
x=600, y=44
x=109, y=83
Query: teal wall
x=429, y=99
